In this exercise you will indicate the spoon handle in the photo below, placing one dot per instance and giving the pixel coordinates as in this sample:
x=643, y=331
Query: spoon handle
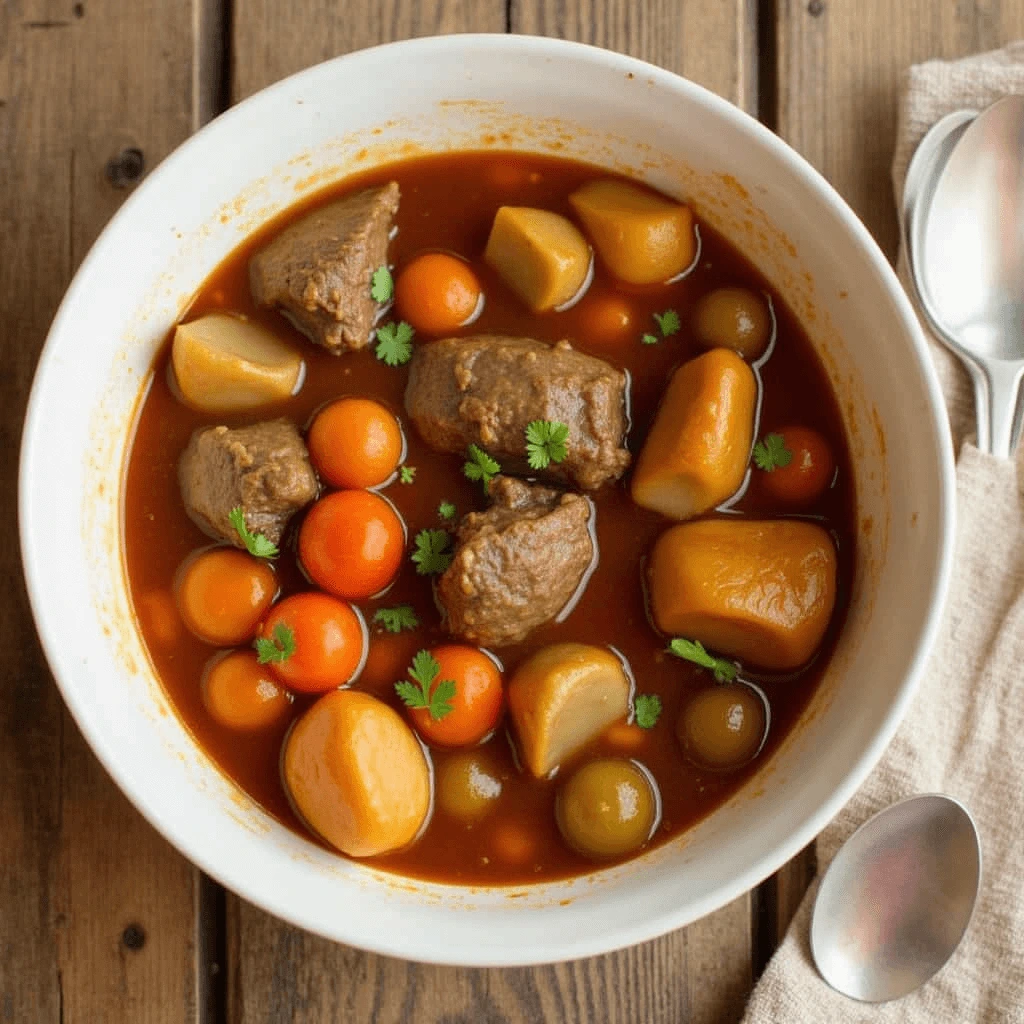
x=996, y=390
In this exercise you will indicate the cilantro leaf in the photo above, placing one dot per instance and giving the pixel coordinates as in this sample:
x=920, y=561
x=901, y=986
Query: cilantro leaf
x=278, y=648
x=480, y=466
x=394, y=620
x=647, y=710
x=394, y=343
x=255, y=543
x=436, y=699
x=545, y=443
x=771, y=453
x=649, y=339
x=668, y=322
x=446, y=510
x=432, y=554
x=693, y=650
x=382, y=285
x=406, y=474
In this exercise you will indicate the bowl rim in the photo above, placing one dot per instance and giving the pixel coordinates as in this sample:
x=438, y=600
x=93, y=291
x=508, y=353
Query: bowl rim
x=671, y=917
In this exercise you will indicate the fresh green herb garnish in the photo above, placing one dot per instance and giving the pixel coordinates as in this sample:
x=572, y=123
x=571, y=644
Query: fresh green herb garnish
x=280, y=647
x=256, y=543
x=647, y=710
x=382, y=285
x=650, y=339
x=394, y=620
x=480, y=466
x=425, y=670
x=545, y=443
x=771, y=453
x=406, y=474
x=394, y=343
x=668, y=322
x=693, y=650
x=432, y=554
x=446, y=510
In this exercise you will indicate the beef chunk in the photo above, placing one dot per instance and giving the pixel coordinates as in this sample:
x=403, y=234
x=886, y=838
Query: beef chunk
x=518, y=564
x=264, y=469
x=485, y=390
x=317, y=271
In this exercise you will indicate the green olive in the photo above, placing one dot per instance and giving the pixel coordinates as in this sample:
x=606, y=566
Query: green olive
x=468, y=784
x=723, y=727
x=607, y=808
x=735, y=318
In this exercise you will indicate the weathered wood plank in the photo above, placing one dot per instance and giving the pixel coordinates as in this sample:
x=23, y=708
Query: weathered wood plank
x=97, y=912
x=839, y=66
x=700, y=974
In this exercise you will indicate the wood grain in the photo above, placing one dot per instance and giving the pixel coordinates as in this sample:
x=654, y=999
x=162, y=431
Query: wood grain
x=701, y=974
x=97, y=912
x=839, y=68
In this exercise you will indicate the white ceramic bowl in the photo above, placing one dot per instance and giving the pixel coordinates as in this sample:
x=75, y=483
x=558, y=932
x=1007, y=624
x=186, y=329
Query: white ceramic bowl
x=449, y=93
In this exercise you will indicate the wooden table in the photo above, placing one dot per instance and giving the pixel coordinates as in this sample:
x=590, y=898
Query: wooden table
x=102, y=921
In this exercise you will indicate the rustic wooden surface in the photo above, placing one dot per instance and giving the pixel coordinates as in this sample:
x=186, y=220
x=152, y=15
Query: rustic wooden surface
x=100, y=921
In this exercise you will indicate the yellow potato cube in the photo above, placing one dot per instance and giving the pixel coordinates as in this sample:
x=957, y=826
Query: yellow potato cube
x=356, y=773
x=643, y=238
x=698, y=449
x=762, y=592
x=561, y=698
x=540, y=255
x=223, y=363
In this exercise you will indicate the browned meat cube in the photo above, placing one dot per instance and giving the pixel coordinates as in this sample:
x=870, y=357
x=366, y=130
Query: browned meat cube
x=263, y=469
x=318, y=271
x=518, y=564
x=485, y=390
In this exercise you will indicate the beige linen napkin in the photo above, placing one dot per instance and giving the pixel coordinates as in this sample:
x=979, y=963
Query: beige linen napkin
x=964, y=734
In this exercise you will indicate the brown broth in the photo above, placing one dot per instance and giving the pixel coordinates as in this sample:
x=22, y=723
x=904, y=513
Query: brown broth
x=448, y=202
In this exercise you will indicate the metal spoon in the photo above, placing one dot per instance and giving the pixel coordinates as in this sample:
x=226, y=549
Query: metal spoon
x=897, y=899
x=963, y=209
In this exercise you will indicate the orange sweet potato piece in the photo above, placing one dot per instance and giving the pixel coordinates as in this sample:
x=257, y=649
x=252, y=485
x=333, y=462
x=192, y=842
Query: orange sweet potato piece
x=762, y=592
x=699, y=447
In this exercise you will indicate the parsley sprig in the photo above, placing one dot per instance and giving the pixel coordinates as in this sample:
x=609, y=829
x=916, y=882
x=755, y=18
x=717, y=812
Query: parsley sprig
x=693, y=650
x=647, y=710
x=668, y=323
x=446, y=510
x=406, y=474
x=394, y=620
x=437, y=699
x=480, y=466
x=394, y=343
x=545, y=443
x=278, y=647
x=432, y=554
x=771, y=453
x=382, y=285
x=255, y=543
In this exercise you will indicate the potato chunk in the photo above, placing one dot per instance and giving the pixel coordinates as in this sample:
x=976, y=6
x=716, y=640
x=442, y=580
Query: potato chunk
x=698, y=449
x=642, y=237
x=225, y=364
x=356, y=773
x=762, y=592
x=563, y=697
x=540, y=255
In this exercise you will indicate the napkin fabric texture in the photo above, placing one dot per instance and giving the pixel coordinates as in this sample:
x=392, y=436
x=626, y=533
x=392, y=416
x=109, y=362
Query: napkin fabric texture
x=964, y=733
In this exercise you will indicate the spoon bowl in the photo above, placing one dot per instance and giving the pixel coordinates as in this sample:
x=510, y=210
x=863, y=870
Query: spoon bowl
x=964, y=221
x=897, y=899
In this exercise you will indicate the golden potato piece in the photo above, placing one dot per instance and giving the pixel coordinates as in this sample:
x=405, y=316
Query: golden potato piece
x=563, y=697
x=540, y=255
x=697, y=452
x=225, y=364
x=356, y=773
x=643, y=238
x=735, y=318
x=762, y=592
